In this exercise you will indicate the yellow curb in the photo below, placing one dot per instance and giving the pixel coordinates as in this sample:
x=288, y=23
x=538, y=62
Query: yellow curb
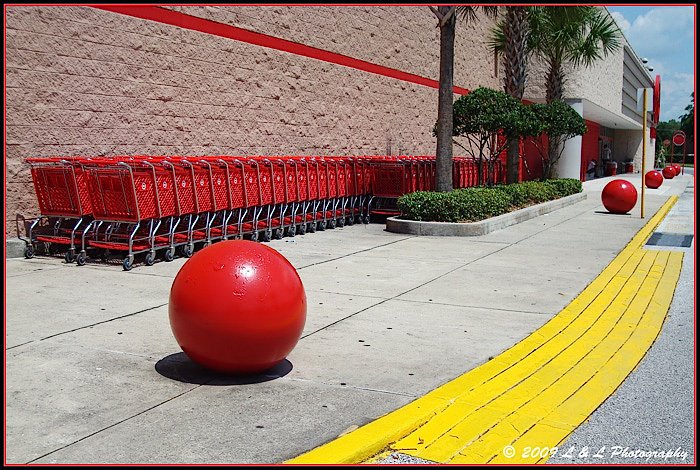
x=537, y=392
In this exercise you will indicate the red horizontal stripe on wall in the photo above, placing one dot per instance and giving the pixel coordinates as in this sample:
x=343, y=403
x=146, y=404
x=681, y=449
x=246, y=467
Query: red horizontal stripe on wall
x=182, y=20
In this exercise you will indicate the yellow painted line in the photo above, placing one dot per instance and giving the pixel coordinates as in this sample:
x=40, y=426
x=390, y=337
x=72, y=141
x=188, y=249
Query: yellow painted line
x=525, y=393
x=539, y=389
x=494, y=391
x=586, y=366
x=369, y=440
x=557, y=425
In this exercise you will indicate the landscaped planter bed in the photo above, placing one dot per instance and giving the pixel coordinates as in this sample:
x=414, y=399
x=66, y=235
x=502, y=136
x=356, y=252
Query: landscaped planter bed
x=455, y=207
x=470, y=229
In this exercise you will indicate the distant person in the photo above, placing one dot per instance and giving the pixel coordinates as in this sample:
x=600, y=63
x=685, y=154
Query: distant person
x=607, y=154
x=590, y=171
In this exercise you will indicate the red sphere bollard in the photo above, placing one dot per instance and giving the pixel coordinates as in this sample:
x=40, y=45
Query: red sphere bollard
x=677, y=168
x=653, y=179
x=619, y=196
x=668, y=172
x=237, y=307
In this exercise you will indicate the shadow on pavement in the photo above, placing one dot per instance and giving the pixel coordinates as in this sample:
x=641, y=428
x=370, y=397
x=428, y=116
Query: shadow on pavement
x=181, y=368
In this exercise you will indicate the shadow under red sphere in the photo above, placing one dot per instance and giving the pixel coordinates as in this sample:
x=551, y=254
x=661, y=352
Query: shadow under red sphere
x=668, y=172
x=237, y=307
x=619, y=196
x=653, y=179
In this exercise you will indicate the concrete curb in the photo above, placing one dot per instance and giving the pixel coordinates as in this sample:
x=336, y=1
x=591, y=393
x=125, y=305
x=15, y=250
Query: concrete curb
x=471, y=229
x=14, y=248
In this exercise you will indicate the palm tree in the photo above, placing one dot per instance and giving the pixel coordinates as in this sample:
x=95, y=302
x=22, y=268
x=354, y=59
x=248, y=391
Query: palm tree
x=510, y=38
x=576, y=36
x=562, y=36
x=447, y=16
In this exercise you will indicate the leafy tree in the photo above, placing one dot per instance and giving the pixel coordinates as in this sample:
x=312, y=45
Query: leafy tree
x=560, y=122
x=447, y=16
x=687, y=124
x=664, y=131
x=487, y=119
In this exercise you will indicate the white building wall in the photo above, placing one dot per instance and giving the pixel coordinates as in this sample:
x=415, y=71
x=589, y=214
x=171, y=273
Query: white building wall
x=628, y=146
x=569, y=165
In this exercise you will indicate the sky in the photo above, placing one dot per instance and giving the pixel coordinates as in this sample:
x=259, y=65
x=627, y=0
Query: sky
x=664, y=36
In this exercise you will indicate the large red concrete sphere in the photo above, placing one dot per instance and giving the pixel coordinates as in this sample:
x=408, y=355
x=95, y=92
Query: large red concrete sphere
x=237, y=307
x=668, y=172
x=653, y=179
x=677, y=168
x=619, y=196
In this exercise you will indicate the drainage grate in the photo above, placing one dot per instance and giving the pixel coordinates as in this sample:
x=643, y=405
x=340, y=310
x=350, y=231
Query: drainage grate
x=670, y=239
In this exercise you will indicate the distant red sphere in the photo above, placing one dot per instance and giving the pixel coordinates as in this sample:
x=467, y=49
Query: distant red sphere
x=619, y=196
x=677, y=168
x=668, y=172
x=237, y=307
x=653, y=179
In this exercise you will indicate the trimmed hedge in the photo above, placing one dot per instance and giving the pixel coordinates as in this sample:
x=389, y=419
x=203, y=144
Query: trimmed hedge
x=475, y=204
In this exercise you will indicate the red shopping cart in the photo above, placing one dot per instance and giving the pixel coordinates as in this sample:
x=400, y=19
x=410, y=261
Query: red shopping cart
x=64, y=203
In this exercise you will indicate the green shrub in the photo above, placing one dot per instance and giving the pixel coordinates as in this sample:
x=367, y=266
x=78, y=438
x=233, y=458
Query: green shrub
x=481, y=203
x=565, y=186
x=474, y=204
x=538, y=192
x=518, y=194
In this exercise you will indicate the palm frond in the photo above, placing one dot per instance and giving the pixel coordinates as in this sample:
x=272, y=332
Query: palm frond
x=496, y=41
x=469, y=14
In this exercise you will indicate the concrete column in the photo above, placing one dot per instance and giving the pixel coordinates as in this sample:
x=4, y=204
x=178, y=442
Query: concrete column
x=569, y=165
x=651, y=152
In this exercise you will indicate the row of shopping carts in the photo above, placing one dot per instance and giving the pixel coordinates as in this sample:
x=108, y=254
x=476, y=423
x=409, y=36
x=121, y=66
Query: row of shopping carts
x=97, y=206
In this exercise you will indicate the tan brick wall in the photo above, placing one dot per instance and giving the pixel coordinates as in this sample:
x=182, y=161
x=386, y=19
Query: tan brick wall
x=82, y=81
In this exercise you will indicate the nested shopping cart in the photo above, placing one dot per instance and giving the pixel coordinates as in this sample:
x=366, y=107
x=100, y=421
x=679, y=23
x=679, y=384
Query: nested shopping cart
x=228, y=176
x=303, y=217
x=130, y=199
x=64, y=204
x=295, y=197
x=391, y=179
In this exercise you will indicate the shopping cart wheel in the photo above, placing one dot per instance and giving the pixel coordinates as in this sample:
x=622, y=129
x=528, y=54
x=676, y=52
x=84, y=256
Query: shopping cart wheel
x=332, y=223
x=341, y=222
x=128, y=263
x=169, y=254
x=321, y=226
x=81, y=259
x=69, y=256
x=279, y=233
x=351, y=220
x=29, y=252
x=254, y=237
x=302, y=229
x=150, y=258
x=365, y=220
x=188, y=250
x=312, y=227
x=267, y=235
x=292, y=230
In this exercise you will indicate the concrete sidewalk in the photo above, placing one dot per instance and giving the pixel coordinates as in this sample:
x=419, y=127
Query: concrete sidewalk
x=94, y=374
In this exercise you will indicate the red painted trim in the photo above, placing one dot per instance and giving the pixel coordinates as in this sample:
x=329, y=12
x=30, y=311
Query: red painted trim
x=656, y=106
x=182, y=20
